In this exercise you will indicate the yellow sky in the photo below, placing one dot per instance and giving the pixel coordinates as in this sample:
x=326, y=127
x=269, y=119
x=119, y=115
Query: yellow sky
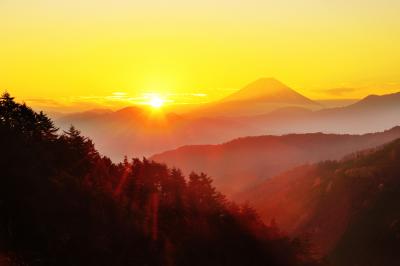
x=195, y=51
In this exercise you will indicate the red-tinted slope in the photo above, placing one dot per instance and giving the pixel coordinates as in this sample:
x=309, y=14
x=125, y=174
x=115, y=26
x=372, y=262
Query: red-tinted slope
x=347, y=207
x=242, y=163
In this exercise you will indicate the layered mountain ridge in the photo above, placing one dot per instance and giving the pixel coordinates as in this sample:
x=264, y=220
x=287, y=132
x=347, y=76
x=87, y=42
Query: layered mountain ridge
x=134, y=131
x=244, y=162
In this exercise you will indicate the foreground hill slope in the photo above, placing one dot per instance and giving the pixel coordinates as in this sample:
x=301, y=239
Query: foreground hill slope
x=244, y=162
x=349, y=208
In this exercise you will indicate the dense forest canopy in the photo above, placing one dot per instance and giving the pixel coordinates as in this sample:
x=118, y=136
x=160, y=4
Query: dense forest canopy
x=62, y=203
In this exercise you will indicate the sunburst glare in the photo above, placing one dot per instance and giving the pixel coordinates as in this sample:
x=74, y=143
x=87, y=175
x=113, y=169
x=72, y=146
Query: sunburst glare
x=156, y=101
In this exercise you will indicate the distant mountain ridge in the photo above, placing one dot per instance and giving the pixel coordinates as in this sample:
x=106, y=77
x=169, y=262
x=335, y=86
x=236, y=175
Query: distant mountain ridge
x=378, y=101
x=372, y=113
x=145, y=135
x=135, y=131
x=244, y=162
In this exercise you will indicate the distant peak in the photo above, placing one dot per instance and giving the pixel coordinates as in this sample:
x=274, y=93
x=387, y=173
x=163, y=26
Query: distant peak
x=371, y=96
x=129, y=109
x=269, y=82
x=388, y=95
x=268, y=79
x=268, y=90
x=383, y=99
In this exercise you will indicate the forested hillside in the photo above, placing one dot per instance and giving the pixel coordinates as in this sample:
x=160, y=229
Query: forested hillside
x=349, y=209
x=62, y=203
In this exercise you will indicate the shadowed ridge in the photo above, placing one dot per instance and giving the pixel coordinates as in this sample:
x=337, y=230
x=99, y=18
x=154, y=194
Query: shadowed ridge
x=373, y=100
x=243, y=162
x=129, y=110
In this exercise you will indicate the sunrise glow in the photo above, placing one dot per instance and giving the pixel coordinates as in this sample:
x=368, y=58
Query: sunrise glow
x=155, y=101
x=91, y=48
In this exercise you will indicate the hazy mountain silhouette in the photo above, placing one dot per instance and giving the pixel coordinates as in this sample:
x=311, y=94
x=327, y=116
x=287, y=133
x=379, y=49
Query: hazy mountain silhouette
x=259, y=97
x=268, y=90
x=244, y=162
x=349, y=209
x=373, y=113
x=84, y=116
x=131, y=113
x=336, y=103
x=376, y=101
x=135, y=131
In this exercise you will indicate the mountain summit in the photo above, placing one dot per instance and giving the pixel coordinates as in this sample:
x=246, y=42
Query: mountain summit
x=259, y=97
x=268, y=90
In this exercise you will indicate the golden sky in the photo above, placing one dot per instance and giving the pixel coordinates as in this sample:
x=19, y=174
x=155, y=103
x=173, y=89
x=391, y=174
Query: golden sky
x=196, y=51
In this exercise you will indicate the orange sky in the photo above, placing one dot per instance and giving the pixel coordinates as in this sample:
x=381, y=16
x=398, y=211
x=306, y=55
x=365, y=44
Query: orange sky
x=109, y=52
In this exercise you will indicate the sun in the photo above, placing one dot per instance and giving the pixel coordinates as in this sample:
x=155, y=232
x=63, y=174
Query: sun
x=155, y=101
